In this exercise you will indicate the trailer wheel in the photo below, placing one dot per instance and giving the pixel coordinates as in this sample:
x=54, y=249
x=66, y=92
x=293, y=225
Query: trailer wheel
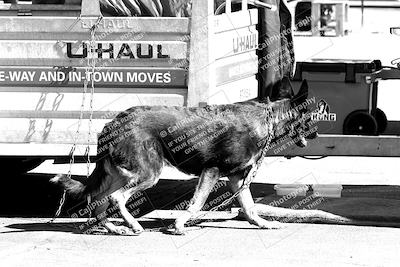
x=19, y=165
x=360, y=122
x=381, y=119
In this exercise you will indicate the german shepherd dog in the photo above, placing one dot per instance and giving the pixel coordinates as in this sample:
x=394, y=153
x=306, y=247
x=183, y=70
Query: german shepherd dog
x=219, y=141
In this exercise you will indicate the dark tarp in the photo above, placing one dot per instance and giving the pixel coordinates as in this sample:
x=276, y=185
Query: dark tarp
x=276, y=55
x=147, y=8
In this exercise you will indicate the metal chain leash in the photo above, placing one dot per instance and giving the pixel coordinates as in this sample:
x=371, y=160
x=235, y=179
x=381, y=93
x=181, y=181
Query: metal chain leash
x=90, y=68
x=247, y=181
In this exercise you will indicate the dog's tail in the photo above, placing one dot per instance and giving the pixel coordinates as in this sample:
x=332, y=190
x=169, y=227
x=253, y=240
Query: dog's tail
x=95, y=183
x=300, y=216
x=74, y=188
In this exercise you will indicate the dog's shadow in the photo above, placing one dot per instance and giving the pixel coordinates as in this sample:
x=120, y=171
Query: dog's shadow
x=71, y=227
x=68, y=227
x=161, y=226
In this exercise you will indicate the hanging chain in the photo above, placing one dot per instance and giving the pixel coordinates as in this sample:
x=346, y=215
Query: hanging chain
x=90, y=69
x=72, y=153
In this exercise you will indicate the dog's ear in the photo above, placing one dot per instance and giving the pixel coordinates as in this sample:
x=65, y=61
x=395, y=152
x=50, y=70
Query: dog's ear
x=265, y=100
x=285, y=89
x=302, y=94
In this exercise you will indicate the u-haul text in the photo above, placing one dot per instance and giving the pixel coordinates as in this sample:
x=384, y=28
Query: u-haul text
x=136, y=77
x=117, y=51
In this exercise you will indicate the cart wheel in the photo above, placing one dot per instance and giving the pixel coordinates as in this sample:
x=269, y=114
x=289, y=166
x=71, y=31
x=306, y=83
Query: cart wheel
x=360, y=122
x=381, y=119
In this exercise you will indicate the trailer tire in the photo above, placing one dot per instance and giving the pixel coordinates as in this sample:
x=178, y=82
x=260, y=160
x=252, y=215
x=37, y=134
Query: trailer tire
x=360, y=122
x=381, y=119
x=17, y=166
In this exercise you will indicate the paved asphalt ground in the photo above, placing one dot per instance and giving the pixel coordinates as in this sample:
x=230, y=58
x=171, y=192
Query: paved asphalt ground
x=32, y=242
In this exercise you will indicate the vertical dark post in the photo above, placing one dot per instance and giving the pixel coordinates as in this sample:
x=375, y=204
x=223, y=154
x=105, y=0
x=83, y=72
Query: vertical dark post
x=362, y=13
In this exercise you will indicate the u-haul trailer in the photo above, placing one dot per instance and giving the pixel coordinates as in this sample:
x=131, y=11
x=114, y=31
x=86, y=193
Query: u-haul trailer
x=205, y=59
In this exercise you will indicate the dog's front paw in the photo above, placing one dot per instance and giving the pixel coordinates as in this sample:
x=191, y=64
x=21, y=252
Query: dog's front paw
x=179, y=227
x=123, y=230
x=177, y=231
x=174, y=231
x=137, y=228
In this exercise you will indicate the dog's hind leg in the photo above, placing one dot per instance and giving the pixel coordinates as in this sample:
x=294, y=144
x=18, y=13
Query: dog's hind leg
x=207, y=180
x=111, y=227
x=121, y=197
x=247, y=203
x=104, y=209
x=139, y=167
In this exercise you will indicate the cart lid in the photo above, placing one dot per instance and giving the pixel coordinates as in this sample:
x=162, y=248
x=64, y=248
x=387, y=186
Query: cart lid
x=349, y=67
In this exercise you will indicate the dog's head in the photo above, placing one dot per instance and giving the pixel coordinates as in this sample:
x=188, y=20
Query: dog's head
x=303, y=125
x=295, y=121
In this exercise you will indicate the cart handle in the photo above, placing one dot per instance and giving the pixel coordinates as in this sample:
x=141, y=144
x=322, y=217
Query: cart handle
x=258, y=3
x=383, y=74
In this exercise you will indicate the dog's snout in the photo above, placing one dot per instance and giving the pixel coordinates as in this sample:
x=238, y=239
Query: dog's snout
x=312, y=135
x=302, y=142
